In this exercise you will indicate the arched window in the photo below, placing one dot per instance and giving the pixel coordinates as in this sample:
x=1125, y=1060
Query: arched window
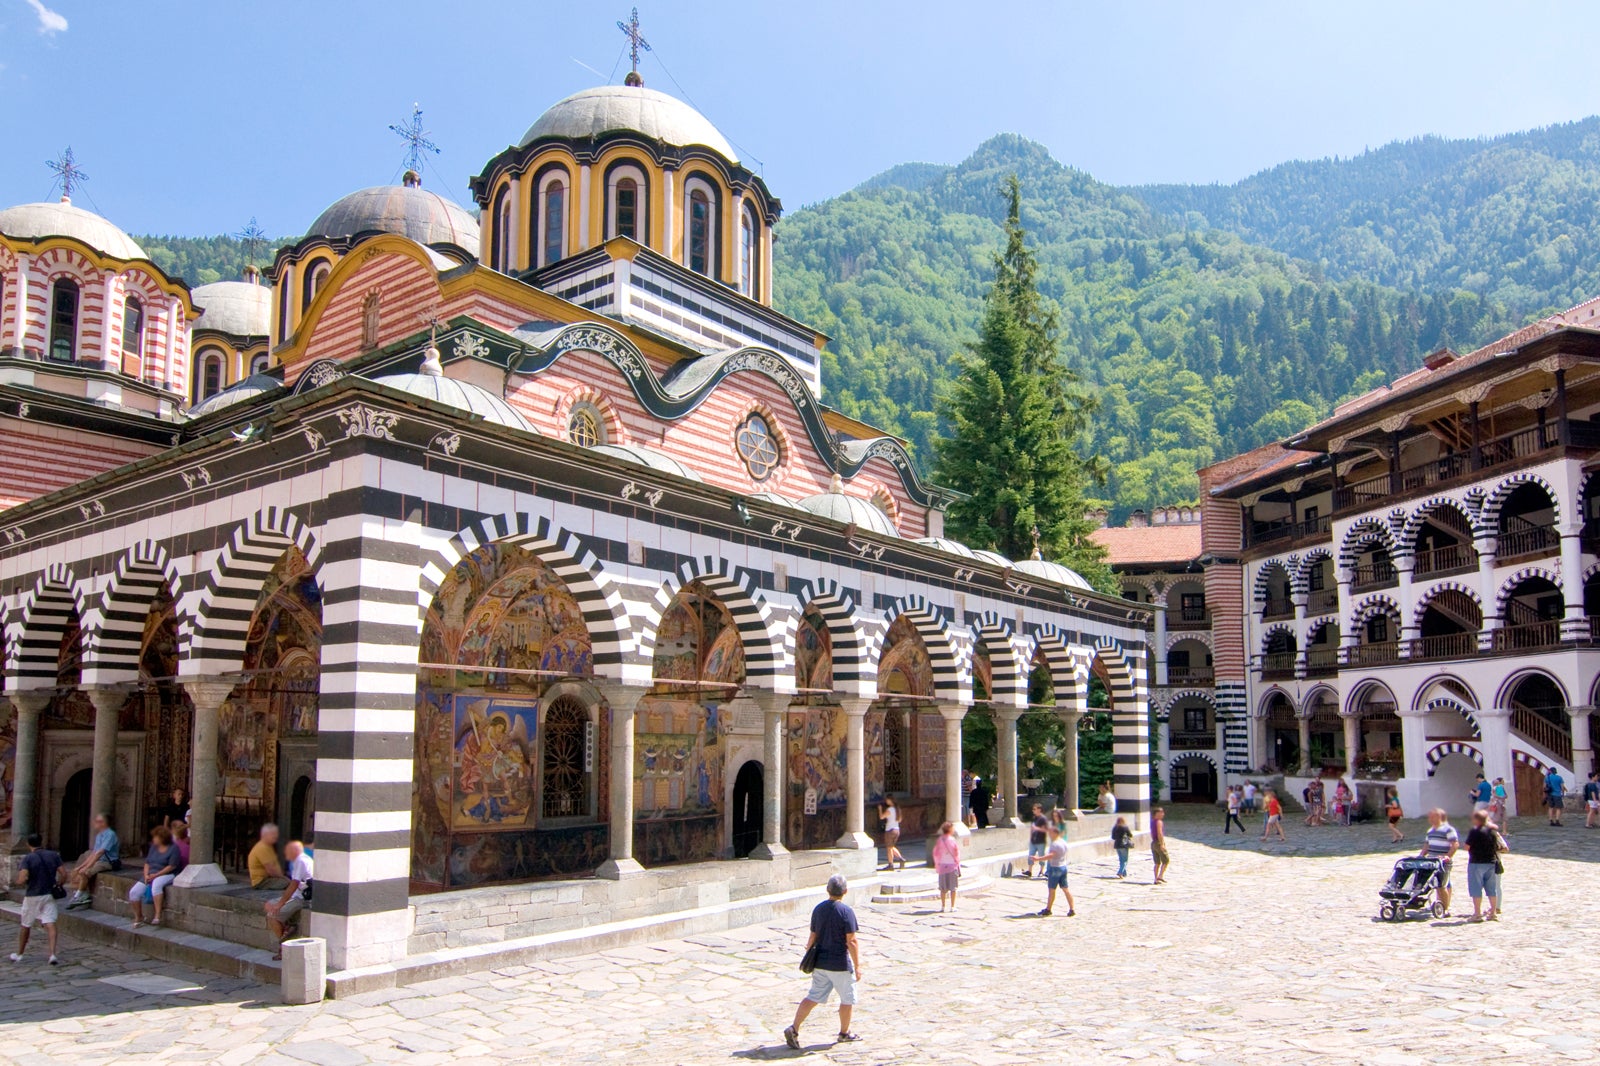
x=370, y=320
x=502, y=241
x=585, y=427
x=64, y=320
x=316, y=275
x=552, y=239
x=568, y=760
x=700, y=225
x=259, y=364
x=133, y=328
x=210, y=378
x=757, y=447
x=626, y=203
x=748, y=237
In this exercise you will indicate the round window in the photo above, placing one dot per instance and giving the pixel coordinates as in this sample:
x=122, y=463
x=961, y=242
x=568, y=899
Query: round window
x=757, y=447
x=583, y=428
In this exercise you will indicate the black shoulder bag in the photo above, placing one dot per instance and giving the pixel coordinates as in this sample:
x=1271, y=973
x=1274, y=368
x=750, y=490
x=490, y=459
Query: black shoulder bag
x=808, y=961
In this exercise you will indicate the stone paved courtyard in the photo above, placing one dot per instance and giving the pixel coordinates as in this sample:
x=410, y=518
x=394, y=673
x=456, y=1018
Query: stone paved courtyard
x=1253, y=953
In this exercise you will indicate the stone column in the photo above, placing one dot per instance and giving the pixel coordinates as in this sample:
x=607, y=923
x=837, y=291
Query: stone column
x=1158, y=651
x=1574, y=623
x=1005, y=720
x=1414, y=739
x=774, y=773
x=103, y=782
x=1303, y=721
x=1069, y=761
x=953, y=713
x=1410, y=629
x=1582, y=751
x=110, y=356
x=30, y=704
x=1348, y=636
x=1487, y=589
x=623, y=700
x=1352, y=745
x=855, y=775
x=1164, y=750
x=19, y=325
x=1494, y=727
x=208, y=696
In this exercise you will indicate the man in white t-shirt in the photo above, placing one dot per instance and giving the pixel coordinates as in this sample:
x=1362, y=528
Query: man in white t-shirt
x=1249, y=797
x=282, y=911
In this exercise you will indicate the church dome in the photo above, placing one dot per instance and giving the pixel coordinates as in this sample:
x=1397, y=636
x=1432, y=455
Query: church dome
x=1053, y=572
x=850, y=510
x=608, y=108
x=241, y=308
x=431, y=384
x=61, y=219
x=409, y=210
x=247, y=389
x=637, y=453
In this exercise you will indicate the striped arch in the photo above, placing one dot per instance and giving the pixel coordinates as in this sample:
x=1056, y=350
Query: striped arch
x=1130, y=726
x=1289, y=565
x=1276, y=627
x=1264, y=704
x=1198, y=635
x=112, y=641
x=1318, y=624
x=604, y=614
x=1432, y=592
x=1008, y=669
x=1447, y=703
x=1527, y=758
x=765, y=664
x=1590, y=572
x=1071, y=687
x=1509, y=685
x=1308, y=563
x=1361, y=534
x=947, y=653
x=1420, y=513
x=1509, y=586
x=1504, y=489
x=1439, y=752
x=1370, y=606
x=1185, y=756
x=45, y=616
x=1189, y=694
x=1158, y=712
x=853, y=672
x=226, y=603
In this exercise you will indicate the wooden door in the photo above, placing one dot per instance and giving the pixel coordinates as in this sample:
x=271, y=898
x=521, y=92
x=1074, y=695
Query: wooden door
x=1530, y=790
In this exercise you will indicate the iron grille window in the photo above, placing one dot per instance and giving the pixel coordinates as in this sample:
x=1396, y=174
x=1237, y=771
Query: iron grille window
x=566, y=778
x=894, y=753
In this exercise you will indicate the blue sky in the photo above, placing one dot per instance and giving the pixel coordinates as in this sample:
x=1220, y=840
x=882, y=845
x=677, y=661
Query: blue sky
x=190, y=117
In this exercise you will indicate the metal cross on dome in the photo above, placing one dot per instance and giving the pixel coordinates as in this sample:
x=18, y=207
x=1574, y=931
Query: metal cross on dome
x=416, y=137
x=254, y=239
x=636, y=41
x=67, y=172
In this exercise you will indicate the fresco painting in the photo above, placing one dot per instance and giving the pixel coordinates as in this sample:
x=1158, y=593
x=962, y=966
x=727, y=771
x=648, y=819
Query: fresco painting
x=813, y=649
x=904, y=669
x=494, y=763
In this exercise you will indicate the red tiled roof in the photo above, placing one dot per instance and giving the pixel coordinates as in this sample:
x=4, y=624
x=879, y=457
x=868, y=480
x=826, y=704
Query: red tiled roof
x=1145, y=545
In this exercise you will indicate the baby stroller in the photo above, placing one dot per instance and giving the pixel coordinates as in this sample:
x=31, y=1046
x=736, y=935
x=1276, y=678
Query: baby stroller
x=1413, y=886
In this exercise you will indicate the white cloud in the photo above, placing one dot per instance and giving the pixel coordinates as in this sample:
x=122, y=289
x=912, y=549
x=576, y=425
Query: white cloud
x=49, y=21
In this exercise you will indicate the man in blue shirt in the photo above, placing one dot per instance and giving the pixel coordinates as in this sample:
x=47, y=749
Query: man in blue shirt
x=833, y=934
x=1482, y=793
x=103, y=856
x=37, y=871
x=1554, y=795
x=1591, y=799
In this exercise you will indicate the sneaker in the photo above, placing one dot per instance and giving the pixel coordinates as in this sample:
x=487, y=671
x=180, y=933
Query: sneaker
x=792, y=1037
x=15, y=957
x=1045, y=913
x=79, y=901
x=54, y=961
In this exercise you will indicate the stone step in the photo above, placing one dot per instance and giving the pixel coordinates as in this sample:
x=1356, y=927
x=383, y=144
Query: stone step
x=160, y=942
x=906, y=890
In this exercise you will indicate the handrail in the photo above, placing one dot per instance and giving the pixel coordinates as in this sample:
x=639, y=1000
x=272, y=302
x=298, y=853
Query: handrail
x=1523, y=638
x=1551, y=736
x=1445, y=646
x=1373, y=575
x=1387, y=651
x=1278, y=664
x=1448, y=558
x=1534, y=540
x=1192, y=674
x=1322, y=661
x=1322, y=601
x=1277, y=607
x=1284, y=529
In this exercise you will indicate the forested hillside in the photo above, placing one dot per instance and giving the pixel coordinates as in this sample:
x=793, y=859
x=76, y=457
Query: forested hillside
x=1201, y=344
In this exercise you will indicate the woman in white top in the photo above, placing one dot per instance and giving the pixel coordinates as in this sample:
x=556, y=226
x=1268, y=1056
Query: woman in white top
x=889, y=811
x=1108, y=799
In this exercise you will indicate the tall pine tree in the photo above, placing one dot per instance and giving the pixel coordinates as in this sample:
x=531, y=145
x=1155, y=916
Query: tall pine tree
x=1014, y=414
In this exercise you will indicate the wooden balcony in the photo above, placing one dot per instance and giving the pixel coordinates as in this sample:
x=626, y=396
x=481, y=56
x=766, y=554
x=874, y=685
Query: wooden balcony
x=1450, y=559
x=1277, y=607
x=1382, y=653
x=1322, y=662
x=1532, y=637
x=1278, y=665
x=1378, y=575
x=1190, y=675
x=1322, y=601
x=1445, y=646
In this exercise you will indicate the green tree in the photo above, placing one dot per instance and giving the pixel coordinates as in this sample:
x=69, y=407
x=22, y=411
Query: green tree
x=1013, y=422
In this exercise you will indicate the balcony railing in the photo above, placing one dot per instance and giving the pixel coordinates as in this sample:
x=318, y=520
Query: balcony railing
x=1192, y=741
x=1322, y=601
x=1452, y=558
x=1283, y=529
x=1553, y=737
x=1377, y=654
x=1277, y=607
x=1321, y=662
x=1508, y=450
x=1528, y=637
x=1190, y=675
x=1189, y=618
x=1373, y=575
x=1445, y=646
x=1525, y=542
x=1278, y=664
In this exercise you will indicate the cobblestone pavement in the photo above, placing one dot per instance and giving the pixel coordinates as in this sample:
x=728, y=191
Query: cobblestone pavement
x=1252, y=953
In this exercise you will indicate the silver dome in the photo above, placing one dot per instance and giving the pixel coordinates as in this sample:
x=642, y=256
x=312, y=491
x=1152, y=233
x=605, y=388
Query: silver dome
x=409, y=210
x=431, y=384
x=850, y=510
x=241, y=308
x=638, y=453
x=606, y=108
x=61, y=219
x=945, y=545
x=247, y=389
x=1053, y=572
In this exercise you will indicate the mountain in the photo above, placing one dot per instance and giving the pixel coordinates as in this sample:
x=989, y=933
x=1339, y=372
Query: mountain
x=1511, y=218
x=1199, y=342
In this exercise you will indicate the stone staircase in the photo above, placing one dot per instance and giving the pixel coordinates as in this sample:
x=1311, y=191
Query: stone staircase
x=921, y=885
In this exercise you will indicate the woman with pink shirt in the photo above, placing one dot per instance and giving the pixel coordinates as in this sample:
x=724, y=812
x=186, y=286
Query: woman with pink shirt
x=947, y=863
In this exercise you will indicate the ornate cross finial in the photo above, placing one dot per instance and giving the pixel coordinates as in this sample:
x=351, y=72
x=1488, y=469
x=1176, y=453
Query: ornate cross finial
x=67, y=172
x=416, y=139
x=1037, y=554
x=254, y=239
x=636, y=44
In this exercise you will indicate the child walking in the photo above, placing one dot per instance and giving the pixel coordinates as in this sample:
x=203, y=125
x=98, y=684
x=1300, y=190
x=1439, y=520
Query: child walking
x=1391, y=810
x=1121, y=843
x=947, y=864
x=1274, y=817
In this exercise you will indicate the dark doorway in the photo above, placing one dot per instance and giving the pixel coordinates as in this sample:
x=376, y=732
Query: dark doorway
x=302, y=809
x=75, y=815
x=747, y=809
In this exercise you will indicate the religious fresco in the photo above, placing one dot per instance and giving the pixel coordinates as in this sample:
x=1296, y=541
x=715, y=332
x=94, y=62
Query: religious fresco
x=813, y=653
x=160, y=707
x=282, y=657
x=501, y=626
x=8, y=758
x=70, y=706
x=697, y=641
x=904, y=669
x=816, y=759
x=930, y=742
x=678, y=757
x=982, y=674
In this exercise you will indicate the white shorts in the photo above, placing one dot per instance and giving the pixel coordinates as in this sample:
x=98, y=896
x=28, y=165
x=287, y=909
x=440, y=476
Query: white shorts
x=38, y=910
x=825, y=982
x=1594, y=805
